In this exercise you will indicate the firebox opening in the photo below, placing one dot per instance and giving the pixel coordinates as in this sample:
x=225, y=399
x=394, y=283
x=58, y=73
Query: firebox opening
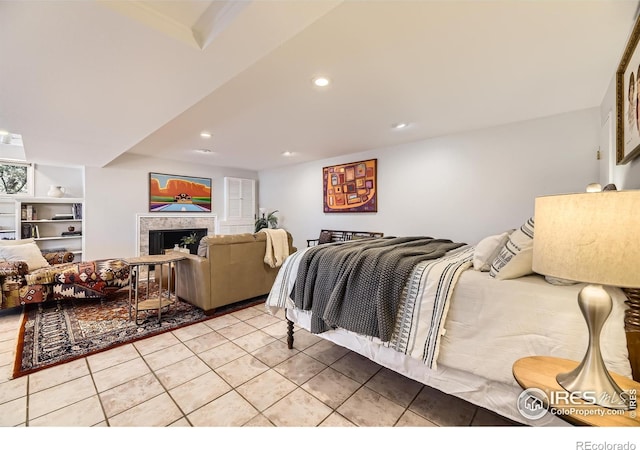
x=161, y=240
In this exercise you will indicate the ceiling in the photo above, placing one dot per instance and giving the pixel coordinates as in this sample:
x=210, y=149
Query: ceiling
x=85, y=82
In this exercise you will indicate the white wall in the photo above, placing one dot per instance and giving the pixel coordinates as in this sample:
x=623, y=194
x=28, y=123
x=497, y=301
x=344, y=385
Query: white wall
x=70, y=178
x=115, y=194
x=461, y=187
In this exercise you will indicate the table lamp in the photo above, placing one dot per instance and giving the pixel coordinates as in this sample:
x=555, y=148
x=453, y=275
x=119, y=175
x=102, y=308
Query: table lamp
x=591, y=237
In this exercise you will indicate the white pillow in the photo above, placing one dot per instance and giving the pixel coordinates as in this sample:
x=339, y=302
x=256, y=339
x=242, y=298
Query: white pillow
x=29, y=252
x=516, y=257
x=487, y=250
x=16, y=241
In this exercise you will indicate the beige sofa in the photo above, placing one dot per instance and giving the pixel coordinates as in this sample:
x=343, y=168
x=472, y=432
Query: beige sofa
x=227, y=269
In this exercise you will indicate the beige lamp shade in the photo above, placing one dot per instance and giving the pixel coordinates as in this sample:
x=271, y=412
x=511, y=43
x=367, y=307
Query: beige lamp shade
x=589, y=237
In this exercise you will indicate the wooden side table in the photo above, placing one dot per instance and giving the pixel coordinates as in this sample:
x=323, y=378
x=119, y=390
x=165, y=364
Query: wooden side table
x=160, y=301
x=540, y=372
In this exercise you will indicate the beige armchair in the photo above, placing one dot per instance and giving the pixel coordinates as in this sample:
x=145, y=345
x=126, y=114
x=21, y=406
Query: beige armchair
x=227, y=269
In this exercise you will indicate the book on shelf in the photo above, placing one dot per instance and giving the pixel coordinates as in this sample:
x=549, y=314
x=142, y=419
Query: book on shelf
x=26, y=231
x=30, y=230
x=29, y=212
x=72, y=233
x=63, y=217
x=76, y=209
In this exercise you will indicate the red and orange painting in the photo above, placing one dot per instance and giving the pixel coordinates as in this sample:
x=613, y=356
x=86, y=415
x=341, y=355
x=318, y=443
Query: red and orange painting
x=351, y=187
x=176, y=193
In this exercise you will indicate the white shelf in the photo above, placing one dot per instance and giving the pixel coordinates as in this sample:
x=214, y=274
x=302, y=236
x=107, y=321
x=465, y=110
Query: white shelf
x=48, y=229
x=51, y=220
x=51, y=200
x=7, y=219
x=56, y=238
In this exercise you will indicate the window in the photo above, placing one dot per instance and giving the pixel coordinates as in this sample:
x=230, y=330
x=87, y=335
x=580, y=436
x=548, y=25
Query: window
x=16, y=178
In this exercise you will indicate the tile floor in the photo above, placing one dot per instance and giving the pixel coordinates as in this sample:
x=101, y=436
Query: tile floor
x=230, y=371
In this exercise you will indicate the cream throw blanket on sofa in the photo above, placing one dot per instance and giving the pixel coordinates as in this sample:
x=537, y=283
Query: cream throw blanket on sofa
x=277, y=246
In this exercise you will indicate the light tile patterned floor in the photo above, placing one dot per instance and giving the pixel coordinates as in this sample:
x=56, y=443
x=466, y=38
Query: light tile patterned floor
x=229, y=371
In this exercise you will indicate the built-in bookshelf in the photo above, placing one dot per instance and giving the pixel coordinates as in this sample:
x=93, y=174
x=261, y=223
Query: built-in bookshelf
x=7, y=219
x=55, y=224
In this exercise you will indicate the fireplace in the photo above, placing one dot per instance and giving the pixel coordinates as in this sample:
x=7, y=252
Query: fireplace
x=152, y=222
x=161, y=240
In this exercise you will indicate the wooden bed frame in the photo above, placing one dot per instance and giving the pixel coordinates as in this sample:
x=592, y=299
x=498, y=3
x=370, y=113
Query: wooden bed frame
x=633, y=345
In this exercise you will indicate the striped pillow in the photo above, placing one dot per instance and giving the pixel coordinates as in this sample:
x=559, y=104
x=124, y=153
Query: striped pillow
x=516, y=257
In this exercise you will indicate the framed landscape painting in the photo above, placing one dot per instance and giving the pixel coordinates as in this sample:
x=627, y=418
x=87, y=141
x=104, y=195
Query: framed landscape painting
x=351, y=187
x=178, y=193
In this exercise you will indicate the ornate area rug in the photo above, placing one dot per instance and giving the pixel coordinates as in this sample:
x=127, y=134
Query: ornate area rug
x=56, y=334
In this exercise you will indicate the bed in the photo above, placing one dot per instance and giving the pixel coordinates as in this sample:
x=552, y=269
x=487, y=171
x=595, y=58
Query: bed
x=461, y=318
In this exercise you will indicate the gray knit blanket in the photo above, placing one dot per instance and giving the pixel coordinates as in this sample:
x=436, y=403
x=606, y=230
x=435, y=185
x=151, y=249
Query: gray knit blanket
x=356, y=285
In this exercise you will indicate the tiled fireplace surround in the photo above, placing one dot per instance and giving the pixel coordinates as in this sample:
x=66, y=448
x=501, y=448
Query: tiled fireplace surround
x=171, y=222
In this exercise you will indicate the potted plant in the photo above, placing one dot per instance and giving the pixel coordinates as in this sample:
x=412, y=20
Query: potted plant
x=190, y=242
x=270, y=221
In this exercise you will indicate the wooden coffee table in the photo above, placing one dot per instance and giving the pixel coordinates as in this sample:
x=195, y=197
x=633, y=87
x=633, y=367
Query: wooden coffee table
x=163, y=298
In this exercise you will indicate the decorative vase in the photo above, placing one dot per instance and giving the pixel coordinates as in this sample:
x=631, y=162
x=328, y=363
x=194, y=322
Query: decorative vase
x=55, y=191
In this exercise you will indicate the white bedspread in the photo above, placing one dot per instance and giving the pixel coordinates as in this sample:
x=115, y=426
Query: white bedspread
x=488, y=326
x=492, y=323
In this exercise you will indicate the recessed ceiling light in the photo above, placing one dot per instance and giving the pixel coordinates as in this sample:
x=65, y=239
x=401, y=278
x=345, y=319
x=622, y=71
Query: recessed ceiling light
x=205, y=134
x=321, y=81
x=288, y=153
x=399, y=126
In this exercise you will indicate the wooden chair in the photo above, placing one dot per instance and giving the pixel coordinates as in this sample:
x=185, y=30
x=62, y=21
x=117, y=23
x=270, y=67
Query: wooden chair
x=327, y=236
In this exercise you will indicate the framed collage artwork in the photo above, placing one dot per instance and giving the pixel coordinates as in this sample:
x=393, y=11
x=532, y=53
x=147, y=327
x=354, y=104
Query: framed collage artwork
x=351, y=187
